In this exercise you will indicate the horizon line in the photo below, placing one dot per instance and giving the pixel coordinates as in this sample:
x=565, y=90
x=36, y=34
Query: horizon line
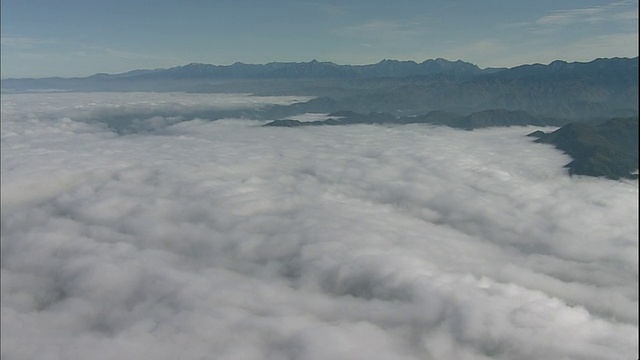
x=315, y=61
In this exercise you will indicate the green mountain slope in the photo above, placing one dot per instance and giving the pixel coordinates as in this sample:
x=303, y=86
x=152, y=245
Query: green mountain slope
x=609, y=149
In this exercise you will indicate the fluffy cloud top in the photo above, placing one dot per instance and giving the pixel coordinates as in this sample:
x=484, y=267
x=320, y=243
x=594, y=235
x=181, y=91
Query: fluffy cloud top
x=196, y=239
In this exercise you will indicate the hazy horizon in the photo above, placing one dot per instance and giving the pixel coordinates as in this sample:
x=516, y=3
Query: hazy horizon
x=70, y=39
x=323, y=61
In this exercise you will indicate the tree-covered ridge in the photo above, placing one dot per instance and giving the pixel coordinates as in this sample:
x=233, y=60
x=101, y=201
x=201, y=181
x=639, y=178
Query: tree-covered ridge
x=609, y=149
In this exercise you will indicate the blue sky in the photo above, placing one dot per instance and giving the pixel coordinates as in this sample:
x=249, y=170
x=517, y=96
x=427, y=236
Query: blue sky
x=82, y=37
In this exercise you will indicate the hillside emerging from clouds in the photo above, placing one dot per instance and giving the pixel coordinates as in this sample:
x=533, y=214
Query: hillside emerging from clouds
x=609, y=149
x=602, y=88
x=439, y=92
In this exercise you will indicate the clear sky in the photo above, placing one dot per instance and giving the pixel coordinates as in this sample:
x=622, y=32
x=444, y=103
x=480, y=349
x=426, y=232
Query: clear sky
x=82, y=37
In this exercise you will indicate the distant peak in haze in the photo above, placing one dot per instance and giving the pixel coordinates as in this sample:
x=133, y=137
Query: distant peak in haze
x=310, y=69
x=315, y=69
x=327, y=69
x=602, y=87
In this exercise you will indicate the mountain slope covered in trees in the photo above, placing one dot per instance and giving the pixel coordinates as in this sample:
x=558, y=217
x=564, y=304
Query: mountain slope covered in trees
x=609, y=149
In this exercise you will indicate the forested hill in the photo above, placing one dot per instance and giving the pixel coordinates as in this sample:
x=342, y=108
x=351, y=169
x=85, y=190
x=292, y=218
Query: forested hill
x=609, y=149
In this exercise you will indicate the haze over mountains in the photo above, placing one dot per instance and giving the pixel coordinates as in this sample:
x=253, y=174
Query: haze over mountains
x=602, y=88
x=178, y=222
x=440, y=92
x=183, y=237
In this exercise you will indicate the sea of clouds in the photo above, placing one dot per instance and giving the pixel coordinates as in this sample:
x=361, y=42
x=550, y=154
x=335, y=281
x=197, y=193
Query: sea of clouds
x=194, y=239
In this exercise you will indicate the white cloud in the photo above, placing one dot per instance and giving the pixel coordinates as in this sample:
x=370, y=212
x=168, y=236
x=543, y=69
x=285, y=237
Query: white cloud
x=614, y=12
x=230, y=240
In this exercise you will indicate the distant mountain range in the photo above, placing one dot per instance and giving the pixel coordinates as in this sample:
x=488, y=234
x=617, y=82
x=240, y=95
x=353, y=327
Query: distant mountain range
x=577, y=96
x=601, y=88
x=292, y=70
x=318, y=70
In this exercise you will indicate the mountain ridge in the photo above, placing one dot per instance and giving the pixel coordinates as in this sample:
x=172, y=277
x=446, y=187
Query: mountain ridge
x=573, y=95
x=365, y=70
x=609, y=149
x=313, y=69
x=601, y=88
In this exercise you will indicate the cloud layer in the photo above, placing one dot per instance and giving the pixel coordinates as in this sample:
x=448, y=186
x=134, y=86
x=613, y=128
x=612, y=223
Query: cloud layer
x=228, y=240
